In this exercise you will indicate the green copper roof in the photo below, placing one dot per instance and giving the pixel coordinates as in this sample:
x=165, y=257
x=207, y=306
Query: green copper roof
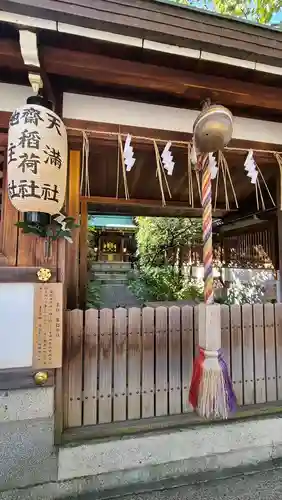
x=112, y=221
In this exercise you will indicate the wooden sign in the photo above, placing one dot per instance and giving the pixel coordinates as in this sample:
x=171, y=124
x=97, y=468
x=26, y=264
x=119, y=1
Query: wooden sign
x=47, y=326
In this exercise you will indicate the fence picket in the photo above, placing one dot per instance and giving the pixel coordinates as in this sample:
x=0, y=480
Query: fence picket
x=236, y=352
x=225, y=334
x=270, y=362
x=90, y=367
x=148, y=362
x=161, y=362
x=248, y=355
x=140, y=365
x=174, y=397
x=105, y=366
x=187, y=348
x=120, y=348
x=75, y=368
x=259, y=348
x=134, y=363
x=278, y=338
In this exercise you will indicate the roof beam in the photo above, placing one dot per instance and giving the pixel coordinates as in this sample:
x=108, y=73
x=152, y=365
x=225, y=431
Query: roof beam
x=126, y=73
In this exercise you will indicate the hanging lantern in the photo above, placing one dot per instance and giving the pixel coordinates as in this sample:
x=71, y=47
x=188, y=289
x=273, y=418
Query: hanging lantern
x=213, y=129
x=37, y=159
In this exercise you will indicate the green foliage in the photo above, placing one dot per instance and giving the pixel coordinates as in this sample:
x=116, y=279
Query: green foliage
x=260, y=11
x=156, y=236
x=164, y=283
x=52, y=231
x=93, y=295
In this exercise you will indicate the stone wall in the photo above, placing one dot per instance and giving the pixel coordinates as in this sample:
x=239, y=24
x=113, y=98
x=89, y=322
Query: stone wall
x=27, y=452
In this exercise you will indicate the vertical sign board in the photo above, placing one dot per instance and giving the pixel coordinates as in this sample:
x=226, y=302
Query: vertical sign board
x=16, y=325
x=31, y=325
x=47, y=326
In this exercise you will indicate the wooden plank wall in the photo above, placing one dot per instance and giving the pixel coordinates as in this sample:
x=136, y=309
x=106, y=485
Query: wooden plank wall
x=137, y=363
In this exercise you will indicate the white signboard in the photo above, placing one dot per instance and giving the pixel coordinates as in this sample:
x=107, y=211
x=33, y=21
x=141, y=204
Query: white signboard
x=16, y=324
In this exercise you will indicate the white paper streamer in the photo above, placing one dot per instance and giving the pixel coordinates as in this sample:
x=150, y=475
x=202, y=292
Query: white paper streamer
x=167, y=159
x=251, y=167
x=128, y=154
x=213, y=166
x=61, y=220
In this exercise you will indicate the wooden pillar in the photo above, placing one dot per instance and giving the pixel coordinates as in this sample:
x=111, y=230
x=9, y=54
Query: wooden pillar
x=279, y=242
x=83, y=256
x=73, y=209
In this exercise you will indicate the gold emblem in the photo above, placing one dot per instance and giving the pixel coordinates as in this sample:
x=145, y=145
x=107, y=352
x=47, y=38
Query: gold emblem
x=44, y=274
x=40, y=378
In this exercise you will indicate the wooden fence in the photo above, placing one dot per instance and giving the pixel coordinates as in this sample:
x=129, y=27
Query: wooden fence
x=137, y=363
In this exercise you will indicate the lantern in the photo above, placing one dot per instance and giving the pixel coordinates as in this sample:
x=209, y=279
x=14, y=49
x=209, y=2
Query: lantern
x=213, y=129
x=37, y=159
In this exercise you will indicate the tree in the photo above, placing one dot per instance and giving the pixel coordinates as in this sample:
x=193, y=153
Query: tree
x=159, y=239
x=261, y=11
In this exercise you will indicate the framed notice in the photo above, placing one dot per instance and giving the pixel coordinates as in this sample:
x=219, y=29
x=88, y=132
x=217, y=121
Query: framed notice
x=47, y=326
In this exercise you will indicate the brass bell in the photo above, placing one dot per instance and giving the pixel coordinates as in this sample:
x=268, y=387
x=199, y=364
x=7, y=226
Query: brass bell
x=213, y=129
x=40, y=378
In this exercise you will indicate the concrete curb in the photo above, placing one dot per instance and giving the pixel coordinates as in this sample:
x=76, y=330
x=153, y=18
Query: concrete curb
x=108, y=469
x=98, y=488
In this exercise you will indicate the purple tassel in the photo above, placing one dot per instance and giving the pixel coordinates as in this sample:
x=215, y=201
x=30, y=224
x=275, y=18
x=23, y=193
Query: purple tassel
x=231, y=398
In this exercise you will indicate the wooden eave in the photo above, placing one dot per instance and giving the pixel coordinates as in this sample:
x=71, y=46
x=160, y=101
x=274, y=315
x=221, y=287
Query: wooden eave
x=77, y=64
x=161, y=22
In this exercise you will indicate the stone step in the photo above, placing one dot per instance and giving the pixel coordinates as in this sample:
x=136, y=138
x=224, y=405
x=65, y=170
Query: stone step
x=111, y=266
x=111, y=277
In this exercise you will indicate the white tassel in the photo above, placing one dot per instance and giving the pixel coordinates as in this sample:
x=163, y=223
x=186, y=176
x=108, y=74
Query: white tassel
x=213, y=402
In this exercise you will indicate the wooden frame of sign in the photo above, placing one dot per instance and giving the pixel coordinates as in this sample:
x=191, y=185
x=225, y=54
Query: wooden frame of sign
x=48, y=326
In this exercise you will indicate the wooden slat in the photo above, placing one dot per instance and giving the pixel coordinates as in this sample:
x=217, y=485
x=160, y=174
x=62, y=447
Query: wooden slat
x=31, y=251
x=270, y=361
x=120, y=348
x=187, y=351
x=105, y=366
x=278, y=338
x=236, y=352
x=90, y=367
x=174, y=361
x=75, y=368
x=196, y=329
x=161, y=362
x=259, y=349
x=248, y=355
x=134, y=363
x=148, y=361
x=225, y=334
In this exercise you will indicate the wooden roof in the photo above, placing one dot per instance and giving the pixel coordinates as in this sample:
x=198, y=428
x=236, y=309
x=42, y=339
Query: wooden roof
x=78, y=64
x=158, y=20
